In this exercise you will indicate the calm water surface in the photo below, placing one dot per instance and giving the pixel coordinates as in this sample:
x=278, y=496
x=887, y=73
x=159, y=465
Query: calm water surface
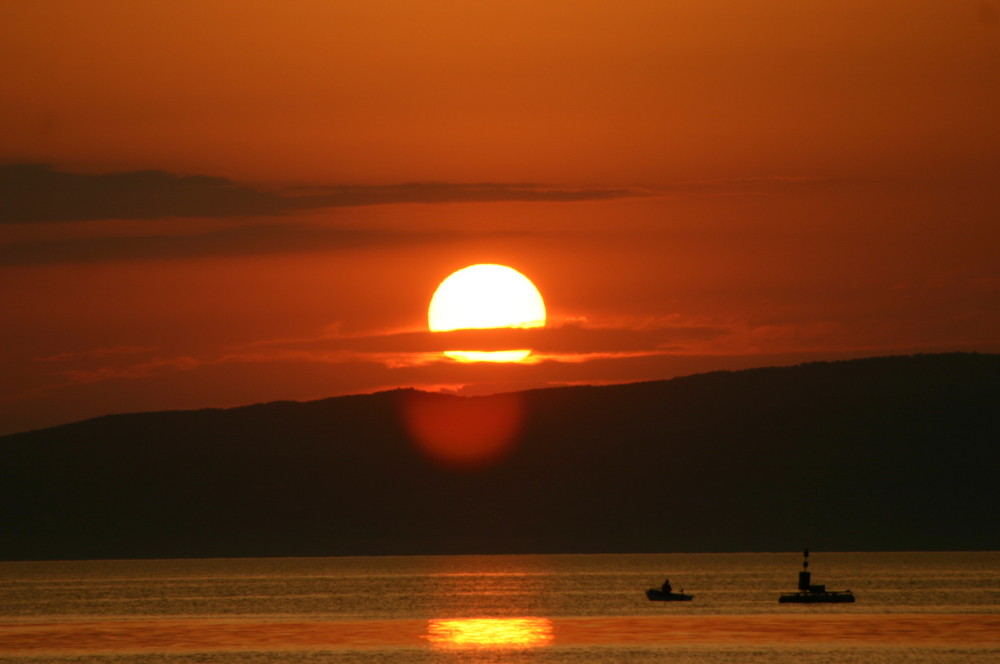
x=577, y=609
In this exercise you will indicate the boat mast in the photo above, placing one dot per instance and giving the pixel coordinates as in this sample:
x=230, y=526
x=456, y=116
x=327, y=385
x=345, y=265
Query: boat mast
x=804, y=575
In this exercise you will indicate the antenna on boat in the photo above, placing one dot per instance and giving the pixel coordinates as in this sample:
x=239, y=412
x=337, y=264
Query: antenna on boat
x=804, y=576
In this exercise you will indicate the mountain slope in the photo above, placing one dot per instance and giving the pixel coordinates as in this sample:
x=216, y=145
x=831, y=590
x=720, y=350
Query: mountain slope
x=885, y=453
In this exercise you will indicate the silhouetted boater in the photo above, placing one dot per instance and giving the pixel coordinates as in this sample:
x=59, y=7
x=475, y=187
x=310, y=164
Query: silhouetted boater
x=666, y=594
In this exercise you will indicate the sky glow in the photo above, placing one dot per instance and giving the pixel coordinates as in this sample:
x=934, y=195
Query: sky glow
x=209, y=206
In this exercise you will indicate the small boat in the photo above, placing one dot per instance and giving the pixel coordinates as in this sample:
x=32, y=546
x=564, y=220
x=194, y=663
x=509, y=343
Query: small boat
x=655, y=595
x=665, y=593
x=810, y=593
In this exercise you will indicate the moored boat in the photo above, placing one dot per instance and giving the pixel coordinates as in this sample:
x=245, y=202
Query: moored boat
x=818, y=596
x=810, y=593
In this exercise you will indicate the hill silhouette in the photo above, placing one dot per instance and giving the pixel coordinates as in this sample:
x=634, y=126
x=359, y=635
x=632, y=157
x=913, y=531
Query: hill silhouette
x=887, y=453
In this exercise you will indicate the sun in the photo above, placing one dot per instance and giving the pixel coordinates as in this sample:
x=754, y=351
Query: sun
x=486, y=296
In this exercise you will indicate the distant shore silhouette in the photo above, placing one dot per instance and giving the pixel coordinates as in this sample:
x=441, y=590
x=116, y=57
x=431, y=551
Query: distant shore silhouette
x=876, y=454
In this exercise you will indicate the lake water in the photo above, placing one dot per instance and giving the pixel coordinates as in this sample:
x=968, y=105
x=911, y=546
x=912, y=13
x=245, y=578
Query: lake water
x=572, y=609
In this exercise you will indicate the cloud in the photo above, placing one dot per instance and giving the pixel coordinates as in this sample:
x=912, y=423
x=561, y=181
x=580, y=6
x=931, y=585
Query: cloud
x=35, y=193
x=98, y=352
x=561, y=343
x=134, y=370
x=570, y=343
x=39, y=193
x=248, y=240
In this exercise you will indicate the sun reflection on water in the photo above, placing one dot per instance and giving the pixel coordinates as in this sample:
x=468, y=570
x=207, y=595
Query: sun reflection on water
x=460, y=633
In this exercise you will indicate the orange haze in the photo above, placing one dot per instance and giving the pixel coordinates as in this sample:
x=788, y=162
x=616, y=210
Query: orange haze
x=214, y=203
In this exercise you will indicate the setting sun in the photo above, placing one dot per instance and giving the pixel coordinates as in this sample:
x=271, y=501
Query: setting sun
x=486, y=296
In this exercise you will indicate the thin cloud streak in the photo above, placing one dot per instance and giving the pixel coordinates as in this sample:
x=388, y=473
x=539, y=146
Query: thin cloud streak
x=250, y=240
x=38, y=193
x=551, y=340
x=566, y=344
x=98, y=352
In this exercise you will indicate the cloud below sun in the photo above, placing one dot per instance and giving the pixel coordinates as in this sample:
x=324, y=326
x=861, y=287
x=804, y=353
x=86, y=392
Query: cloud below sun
x=567, y=342
x=570, y=342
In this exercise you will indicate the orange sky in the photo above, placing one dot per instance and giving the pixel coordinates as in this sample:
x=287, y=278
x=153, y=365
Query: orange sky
x=217, y=203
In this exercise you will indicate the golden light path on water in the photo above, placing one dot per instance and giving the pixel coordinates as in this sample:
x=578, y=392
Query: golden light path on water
x=49, y=638
x=458, y=633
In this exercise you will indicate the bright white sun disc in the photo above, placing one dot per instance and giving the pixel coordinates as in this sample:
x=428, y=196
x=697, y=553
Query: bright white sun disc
x=486, y=296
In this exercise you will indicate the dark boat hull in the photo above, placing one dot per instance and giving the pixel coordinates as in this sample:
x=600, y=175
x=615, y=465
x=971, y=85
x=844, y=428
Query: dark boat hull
x=827, y=597
x=655, y=595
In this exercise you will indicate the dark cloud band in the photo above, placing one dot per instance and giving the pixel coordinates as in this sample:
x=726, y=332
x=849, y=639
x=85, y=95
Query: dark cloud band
x=33, y=193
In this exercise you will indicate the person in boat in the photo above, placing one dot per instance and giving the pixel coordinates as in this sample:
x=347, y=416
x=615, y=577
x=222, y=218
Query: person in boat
x=666, y=587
